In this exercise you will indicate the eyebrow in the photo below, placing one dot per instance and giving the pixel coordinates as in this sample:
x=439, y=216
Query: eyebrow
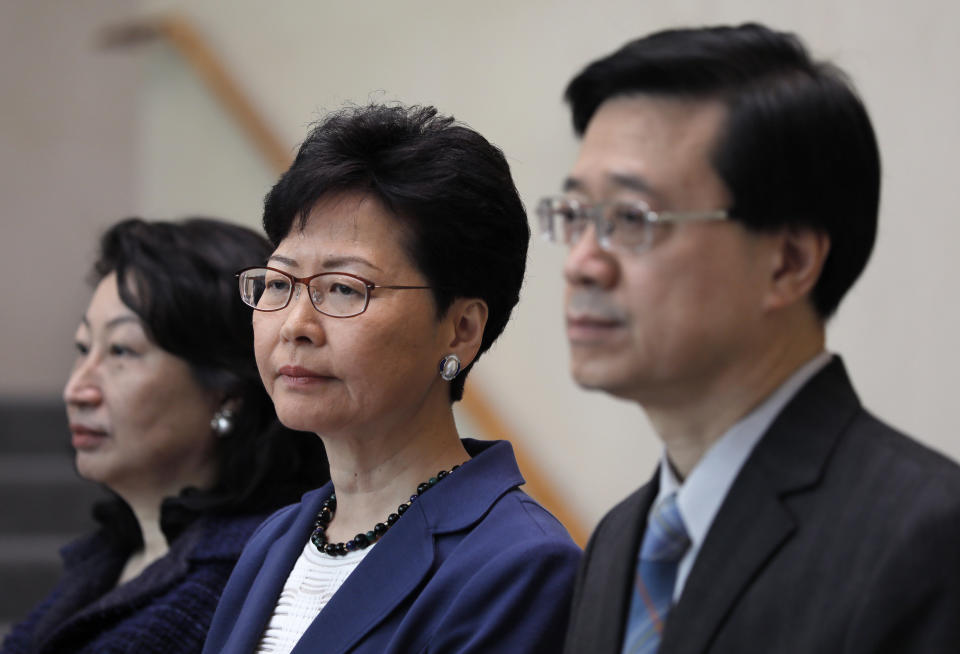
x=279, y=258
x=330, y=262
x=113, y=322
x=573, y=184
x=621, y=180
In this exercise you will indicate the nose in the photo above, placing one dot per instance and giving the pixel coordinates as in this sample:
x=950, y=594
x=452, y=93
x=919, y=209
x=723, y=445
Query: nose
x=83, y=386
x=588, y=264
x=302, y=323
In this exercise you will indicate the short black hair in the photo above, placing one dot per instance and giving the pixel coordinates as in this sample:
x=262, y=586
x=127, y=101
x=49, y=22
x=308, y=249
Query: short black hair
x=178, y=277
x=464, y=225
x=797, y=148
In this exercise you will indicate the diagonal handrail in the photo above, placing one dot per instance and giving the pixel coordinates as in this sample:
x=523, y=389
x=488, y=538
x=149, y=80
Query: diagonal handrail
x=201, y=58
x=187, y=41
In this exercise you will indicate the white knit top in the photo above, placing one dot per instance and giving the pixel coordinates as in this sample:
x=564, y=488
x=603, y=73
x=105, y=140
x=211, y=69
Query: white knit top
x=312, y=582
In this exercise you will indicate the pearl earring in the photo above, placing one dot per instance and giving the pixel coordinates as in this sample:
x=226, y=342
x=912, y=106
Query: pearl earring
x=449, y=367
x=222, y=422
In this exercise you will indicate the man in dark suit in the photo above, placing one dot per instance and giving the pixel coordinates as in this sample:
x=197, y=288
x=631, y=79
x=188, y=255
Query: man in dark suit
x=724, y=200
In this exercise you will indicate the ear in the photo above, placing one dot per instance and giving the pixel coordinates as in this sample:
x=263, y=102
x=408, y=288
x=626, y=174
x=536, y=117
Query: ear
x=798, y=258
x=466, y=319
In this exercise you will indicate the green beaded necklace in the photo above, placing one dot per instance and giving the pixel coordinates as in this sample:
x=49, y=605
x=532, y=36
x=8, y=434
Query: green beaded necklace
x=362, y=541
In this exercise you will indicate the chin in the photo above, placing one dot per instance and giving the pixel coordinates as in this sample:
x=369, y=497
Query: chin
x=603, y=379
x=589, y=373
x=296, y=421
x=90, y=469
x=304, y=418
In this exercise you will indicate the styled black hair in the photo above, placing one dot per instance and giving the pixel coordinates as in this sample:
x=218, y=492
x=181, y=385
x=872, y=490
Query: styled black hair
x=178, y=277
x=797, y=149
x=458, y=212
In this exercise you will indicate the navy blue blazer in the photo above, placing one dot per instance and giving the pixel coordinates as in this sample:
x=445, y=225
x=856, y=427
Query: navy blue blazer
x=164, y=610
x=475, y=565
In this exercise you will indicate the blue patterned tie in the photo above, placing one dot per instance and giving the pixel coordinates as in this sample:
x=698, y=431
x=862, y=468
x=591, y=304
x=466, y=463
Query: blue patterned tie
x=664, y=544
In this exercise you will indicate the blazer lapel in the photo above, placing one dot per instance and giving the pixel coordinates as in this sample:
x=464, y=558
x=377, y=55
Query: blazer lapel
x=753, y=523
x=90, y=568
x=120, y=600
x=400, y=562
x=264, y=591
x=392, y=570
x=91, y=578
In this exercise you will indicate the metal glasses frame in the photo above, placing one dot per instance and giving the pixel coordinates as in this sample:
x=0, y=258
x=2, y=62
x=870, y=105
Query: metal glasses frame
x=368, y=285
x=604, y=226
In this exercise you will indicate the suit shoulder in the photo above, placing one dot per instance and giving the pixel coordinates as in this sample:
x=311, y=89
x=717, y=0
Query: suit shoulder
x=626, y=513
x=881, y=447
x=896, y=489
x=527, y=520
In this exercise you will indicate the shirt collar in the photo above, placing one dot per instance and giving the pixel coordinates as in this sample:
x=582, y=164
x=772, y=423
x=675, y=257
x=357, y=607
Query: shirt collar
x=699, y=497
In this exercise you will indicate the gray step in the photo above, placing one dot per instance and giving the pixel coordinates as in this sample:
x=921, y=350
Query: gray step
x=33, y=426
x=42, y=494
x=43, y=503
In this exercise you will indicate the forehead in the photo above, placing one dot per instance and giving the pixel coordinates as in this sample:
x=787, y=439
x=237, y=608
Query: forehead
x=106, y=303
x=657, y=145
x=347, y=226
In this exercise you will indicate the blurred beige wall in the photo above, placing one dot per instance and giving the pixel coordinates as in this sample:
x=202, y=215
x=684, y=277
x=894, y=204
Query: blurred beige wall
x=69, y=160
x=501, y=67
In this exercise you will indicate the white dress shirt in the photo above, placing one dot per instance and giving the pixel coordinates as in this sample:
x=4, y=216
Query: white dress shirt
x=700, y=496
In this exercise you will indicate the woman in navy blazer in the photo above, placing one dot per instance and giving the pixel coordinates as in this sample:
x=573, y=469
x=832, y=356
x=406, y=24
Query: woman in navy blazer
x=167, y=412
x=401, y=244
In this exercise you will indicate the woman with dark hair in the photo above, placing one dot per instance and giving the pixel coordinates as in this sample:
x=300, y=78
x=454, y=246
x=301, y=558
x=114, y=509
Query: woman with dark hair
x=401, y=245
x=167, y=411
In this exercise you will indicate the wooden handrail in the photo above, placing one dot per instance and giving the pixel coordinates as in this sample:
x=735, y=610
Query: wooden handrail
x=201, y=58
x=188, y=42
x=481, y=413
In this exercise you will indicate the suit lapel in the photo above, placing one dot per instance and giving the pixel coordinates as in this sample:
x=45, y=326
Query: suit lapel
x=753, y=524
x=747, y=532
x=392, y=570
x=602, y=601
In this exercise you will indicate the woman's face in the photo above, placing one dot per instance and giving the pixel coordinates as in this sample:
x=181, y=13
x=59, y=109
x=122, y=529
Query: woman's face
x=370, y=372
x=140, y=422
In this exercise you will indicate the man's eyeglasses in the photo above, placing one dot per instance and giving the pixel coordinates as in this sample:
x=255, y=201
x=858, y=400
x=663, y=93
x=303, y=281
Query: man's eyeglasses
x=626, y=226
x=334, y=294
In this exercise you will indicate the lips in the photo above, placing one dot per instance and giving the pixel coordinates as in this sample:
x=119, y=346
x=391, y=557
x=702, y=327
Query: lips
x=84, y=437
x=299, y=376
x=591, y=329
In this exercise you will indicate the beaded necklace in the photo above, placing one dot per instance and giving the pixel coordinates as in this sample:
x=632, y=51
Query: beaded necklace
x=362, y=541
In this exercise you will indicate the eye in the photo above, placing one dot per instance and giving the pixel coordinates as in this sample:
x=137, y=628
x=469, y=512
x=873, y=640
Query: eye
x=82, y=348
x=339, y=288
x=629, y=214
x=568, y=211
x=278, y=284
x=118, y=350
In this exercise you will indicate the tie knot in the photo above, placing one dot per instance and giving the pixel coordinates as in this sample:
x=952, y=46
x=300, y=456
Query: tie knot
x=666, y=538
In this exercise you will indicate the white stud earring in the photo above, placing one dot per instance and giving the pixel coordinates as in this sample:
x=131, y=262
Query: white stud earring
x=222, y=422
x=449, y=367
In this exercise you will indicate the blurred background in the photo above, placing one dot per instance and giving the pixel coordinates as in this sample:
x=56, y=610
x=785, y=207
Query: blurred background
x=164, y=108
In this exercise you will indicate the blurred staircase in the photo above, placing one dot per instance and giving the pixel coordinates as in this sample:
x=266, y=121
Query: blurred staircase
x=43, y=503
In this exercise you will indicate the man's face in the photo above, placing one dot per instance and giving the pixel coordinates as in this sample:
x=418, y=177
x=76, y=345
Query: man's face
x=668, y=322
